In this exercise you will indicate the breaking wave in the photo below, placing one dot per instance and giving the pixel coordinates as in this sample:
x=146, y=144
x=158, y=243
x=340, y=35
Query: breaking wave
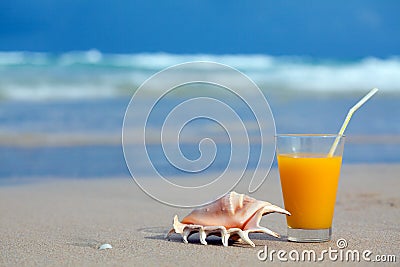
x=92, y=74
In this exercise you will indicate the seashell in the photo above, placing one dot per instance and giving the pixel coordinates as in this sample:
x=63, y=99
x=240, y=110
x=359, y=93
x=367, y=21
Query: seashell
x=105, y=246
x=232, y=216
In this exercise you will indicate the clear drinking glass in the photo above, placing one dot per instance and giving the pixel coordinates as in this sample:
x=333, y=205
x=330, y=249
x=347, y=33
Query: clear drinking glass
x=309, y=177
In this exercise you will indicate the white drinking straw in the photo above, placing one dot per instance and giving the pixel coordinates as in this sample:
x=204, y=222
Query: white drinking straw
x=348, y=117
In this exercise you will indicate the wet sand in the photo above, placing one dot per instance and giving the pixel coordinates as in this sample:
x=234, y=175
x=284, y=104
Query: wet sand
x=61, y=222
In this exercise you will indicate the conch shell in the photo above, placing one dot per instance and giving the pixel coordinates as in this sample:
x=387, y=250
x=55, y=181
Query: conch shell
x=233, y=215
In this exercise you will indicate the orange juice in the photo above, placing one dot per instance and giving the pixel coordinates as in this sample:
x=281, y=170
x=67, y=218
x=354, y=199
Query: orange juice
x=309, y=184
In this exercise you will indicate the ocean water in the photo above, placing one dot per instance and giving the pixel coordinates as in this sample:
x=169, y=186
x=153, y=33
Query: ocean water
x=62, y=115
x=91, y=74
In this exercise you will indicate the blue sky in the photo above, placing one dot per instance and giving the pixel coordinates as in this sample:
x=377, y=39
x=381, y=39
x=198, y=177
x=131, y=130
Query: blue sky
x=325, y=29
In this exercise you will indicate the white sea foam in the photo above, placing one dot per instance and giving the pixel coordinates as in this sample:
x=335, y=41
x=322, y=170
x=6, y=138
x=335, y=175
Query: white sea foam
x=88, y=74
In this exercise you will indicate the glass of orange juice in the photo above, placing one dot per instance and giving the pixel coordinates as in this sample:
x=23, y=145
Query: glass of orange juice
x=309, y=177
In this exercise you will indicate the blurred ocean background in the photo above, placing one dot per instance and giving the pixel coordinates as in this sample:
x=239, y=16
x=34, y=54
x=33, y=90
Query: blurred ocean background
x=69, y=69
x=61, y=114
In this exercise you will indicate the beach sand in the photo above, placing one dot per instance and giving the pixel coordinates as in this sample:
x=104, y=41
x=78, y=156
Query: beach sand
x=61, y=222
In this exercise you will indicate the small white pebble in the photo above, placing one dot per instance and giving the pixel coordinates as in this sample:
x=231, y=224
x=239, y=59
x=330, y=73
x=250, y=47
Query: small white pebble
x=105, y=246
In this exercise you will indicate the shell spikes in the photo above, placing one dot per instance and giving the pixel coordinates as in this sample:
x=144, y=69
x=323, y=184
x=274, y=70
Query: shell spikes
x=233, y=215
